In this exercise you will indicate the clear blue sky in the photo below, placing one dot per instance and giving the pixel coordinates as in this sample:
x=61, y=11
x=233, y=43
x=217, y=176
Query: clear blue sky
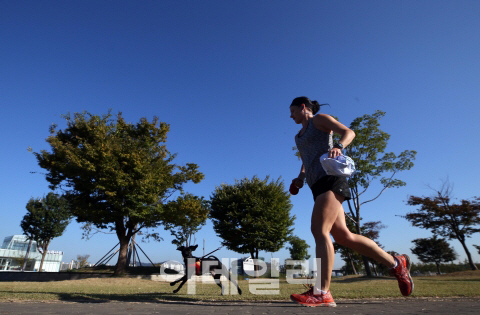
x=223, y=73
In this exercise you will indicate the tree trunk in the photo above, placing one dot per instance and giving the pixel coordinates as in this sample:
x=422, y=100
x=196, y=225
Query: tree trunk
x=352, y=263
x=43, y=259
x=438, y=267
x=366, y=263
x=375, y=269
x=124, y=238
x=44, y=248
x=252, y=255
x=364, y=258
x=255, y=266
x=359, y=232
x=469, y=257
x=26, y=255
x=121, y=266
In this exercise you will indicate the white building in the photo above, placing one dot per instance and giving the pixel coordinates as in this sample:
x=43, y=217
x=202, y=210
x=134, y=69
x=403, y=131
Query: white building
x=14, y=250
x=174, y=265
x=243, y=266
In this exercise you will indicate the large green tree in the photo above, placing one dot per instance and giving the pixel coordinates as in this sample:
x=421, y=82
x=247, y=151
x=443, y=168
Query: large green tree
x=184, y=217
x=252, y=215
x=447, y=219
x=298, y=248
x=117, y=175
x=433, y=249
x=46, y=218
x=373, y=164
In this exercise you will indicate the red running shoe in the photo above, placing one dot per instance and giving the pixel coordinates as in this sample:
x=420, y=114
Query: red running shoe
x=309, y=299
x=402, y=273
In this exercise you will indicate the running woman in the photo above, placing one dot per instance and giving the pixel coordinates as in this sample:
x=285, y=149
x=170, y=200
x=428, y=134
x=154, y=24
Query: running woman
x=328, y=217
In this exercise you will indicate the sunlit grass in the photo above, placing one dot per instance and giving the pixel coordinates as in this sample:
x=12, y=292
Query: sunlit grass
x=131, y=289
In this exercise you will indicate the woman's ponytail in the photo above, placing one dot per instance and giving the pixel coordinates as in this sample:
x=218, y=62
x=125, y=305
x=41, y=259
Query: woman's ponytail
x=316, y=107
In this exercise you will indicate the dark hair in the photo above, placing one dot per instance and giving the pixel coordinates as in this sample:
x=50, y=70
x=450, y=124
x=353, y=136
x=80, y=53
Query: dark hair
x=313, y=105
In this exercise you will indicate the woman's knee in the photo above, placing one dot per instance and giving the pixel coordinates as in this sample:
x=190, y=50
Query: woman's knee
x=318, y=232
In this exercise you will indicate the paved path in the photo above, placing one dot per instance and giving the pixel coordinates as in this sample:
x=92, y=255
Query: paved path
x=449, y=306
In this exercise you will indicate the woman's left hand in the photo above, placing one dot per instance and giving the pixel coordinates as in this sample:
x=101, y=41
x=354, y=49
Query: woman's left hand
x=333, y=153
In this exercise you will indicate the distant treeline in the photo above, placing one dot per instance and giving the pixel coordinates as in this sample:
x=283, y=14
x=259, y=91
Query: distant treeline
x=444, y=268
x=417, y=268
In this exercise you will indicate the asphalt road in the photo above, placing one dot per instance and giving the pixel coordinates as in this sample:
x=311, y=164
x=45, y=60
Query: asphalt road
x=449, y=306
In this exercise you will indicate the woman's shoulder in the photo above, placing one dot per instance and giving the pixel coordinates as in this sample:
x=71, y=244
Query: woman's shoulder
x=321, y=117
x=321, y=122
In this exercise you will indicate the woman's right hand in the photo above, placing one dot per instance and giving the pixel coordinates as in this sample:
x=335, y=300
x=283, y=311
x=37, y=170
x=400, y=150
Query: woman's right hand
x=298, y=182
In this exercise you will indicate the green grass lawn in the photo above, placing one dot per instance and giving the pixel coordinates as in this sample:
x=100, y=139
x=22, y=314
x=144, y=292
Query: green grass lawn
x=463, y=284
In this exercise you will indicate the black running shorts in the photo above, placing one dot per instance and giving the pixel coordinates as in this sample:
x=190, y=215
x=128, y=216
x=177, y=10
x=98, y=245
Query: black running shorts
x=336, y=184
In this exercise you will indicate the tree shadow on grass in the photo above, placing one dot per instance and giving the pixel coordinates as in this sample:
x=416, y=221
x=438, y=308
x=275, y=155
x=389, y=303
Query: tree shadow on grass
x=155, y=297
x=438, y=279
x=360, y=279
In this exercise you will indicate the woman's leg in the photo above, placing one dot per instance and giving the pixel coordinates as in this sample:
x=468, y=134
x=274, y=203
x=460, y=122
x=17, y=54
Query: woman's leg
x=328, y=206
x=359, y=243
x=369, y=248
